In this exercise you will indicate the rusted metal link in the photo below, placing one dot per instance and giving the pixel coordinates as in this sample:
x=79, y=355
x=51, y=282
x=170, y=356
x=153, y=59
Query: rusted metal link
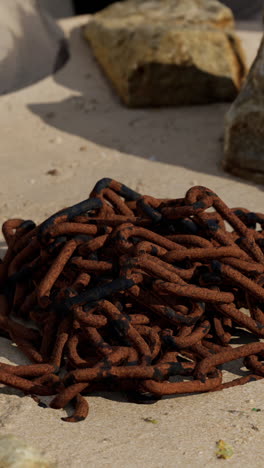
x=127, y=291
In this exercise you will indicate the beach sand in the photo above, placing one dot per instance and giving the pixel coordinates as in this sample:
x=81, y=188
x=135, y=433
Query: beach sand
x=73, y=122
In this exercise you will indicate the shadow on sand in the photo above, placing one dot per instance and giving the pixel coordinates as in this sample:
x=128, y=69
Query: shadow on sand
x=95, y=113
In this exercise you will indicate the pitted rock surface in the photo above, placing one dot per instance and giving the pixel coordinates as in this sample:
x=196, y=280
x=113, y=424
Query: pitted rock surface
x=170, y=52
x=244, y=131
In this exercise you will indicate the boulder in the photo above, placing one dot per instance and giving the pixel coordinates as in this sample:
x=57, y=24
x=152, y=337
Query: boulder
x=32, y=45
x=16, y=453
x=244, y=126
x=168, y=52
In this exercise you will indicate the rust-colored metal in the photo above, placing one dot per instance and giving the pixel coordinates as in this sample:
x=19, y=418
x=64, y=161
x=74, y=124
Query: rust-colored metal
x=125, y=292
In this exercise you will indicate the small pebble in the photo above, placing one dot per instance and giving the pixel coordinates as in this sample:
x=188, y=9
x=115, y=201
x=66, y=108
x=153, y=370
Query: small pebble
x=150, y=420
x=255, y=428
x=53, y=172
x=58, y=140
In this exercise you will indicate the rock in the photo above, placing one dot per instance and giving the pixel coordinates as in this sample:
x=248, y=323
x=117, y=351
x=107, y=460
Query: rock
x=168, y=52
x=32, y=46
x=15, y=453
x=244, y=126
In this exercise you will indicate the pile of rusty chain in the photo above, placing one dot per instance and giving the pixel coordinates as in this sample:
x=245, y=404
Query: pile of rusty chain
x=133, y=293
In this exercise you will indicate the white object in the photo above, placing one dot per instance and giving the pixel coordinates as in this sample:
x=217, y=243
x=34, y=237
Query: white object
x=32, y=45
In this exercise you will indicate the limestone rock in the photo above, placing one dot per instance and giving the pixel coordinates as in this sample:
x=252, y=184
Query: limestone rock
x=15, y=453
x=244, y=126
x=168, y=52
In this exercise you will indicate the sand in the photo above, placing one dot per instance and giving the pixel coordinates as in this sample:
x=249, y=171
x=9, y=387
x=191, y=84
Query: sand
x=73, y=122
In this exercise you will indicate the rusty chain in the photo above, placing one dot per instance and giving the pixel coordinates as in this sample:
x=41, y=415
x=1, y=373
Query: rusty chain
x=133, y=293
